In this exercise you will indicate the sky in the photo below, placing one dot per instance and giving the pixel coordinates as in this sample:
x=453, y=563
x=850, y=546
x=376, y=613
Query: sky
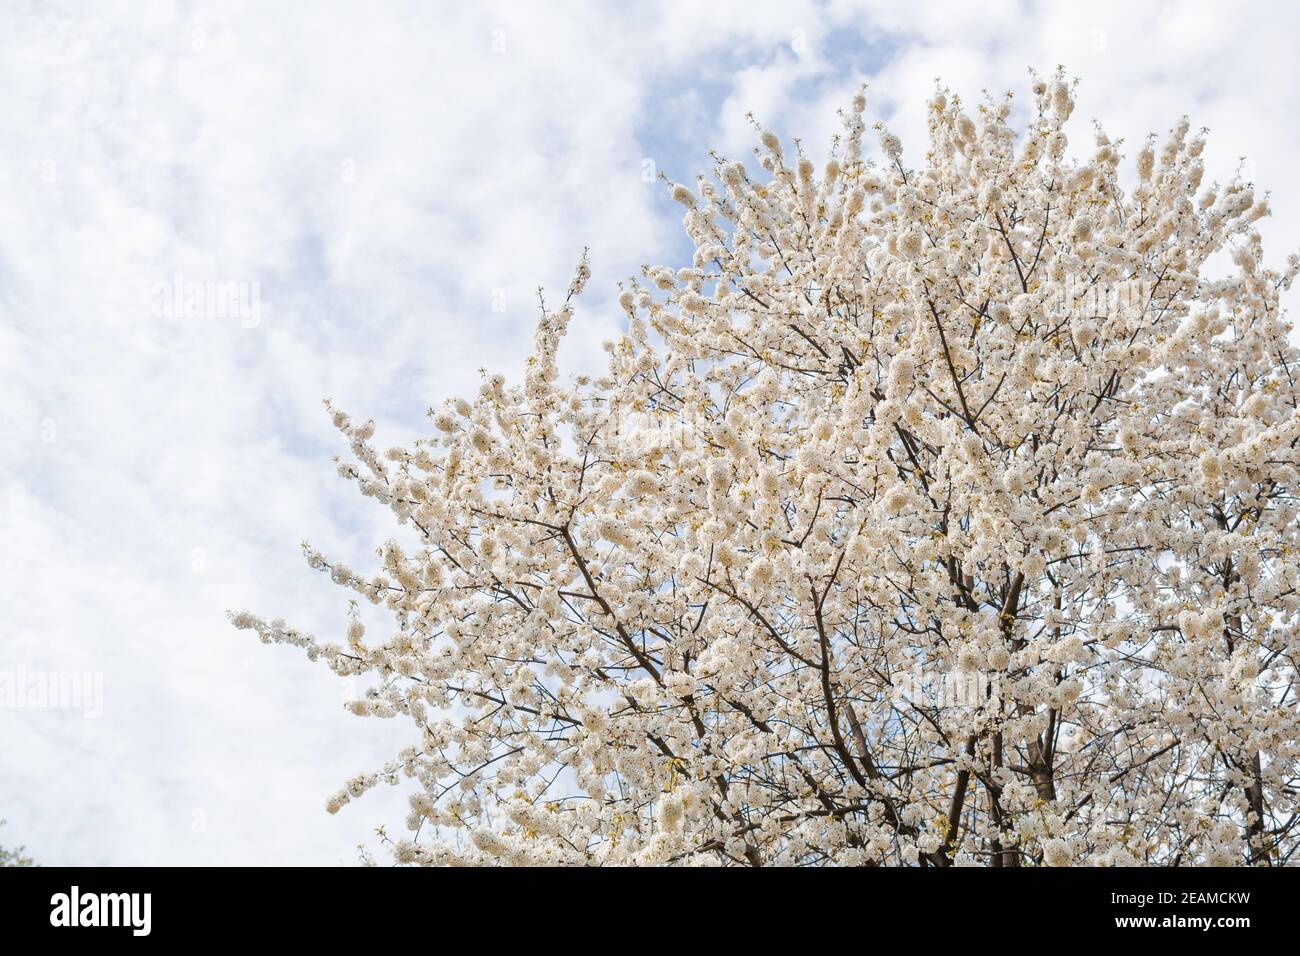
x=215, y=215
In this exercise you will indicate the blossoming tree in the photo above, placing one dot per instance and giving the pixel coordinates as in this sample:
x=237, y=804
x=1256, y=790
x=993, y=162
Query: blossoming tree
x=13, y=857
x=939, y=515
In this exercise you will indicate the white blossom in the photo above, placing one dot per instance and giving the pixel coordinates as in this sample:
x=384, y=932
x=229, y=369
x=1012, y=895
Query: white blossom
x=888, y=428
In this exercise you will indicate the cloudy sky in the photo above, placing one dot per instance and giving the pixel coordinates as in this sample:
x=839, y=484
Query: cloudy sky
x=383, y=187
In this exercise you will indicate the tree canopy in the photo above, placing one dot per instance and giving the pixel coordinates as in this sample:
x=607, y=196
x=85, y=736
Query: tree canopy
x=930, y=515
